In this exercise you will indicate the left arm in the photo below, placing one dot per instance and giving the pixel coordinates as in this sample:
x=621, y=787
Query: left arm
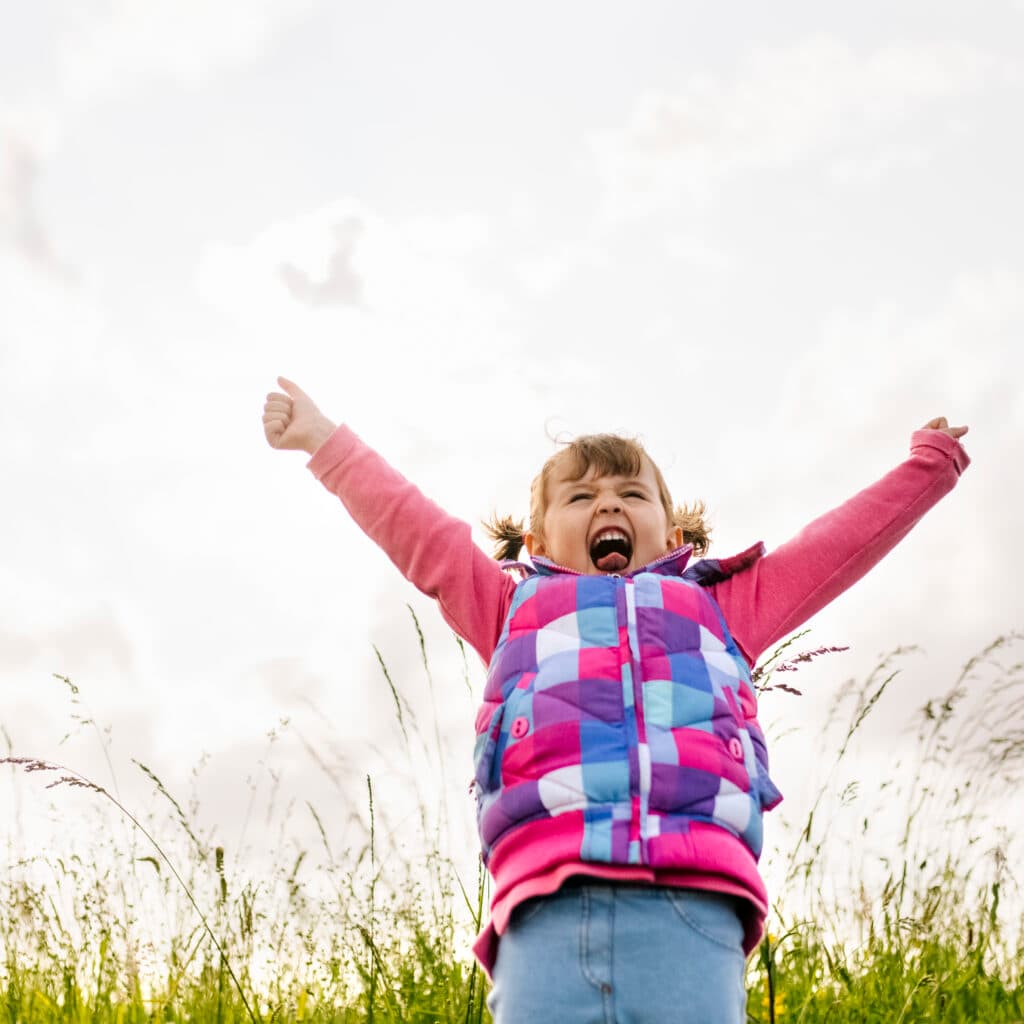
x=785, y=588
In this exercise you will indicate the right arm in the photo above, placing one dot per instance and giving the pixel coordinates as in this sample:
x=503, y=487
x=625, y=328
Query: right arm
x=432, y=549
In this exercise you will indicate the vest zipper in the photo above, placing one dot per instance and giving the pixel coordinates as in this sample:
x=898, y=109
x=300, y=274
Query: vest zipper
x=640, y=780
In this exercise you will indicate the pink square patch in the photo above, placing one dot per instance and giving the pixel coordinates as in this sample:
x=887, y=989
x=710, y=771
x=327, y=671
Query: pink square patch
x=542, y=751
x=525, y=616
x=598, y=663
x=555, y=599
x=655, y=663
x=527, y=679
x=682, y=600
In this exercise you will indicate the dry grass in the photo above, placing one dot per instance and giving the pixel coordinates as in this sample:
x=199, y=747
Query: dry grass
x=156, y=921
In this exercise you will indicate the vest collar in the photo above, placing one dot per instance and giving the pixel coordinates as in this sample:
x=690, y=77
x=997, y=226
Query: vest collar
x=706, y=572
x=670, y=564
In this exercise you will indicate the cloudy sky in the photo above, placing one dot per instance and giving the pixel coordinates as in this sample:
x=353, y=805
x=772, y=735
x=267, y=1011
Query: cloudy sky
x=769, y=239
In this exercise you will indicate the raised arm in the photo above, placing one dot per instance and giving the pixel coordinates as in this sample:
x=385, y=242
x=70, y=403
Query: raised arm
x=431, y=548
x=785, y=588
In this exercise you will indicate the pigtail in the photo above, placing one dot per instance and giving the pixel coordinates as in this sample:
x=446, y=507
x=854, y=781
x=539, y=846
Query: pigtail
x=508, y=533
x=690, y=518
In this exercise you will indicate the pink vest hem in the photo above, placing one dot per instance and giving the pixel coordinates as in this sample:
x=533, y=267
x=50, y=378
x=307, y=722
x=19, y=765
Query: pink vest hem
x=536, y=858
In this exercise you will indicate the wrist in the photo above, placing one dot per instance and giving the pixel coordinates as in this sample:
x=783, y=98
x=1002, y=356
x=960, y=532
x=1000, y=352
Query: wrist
x=322, y=429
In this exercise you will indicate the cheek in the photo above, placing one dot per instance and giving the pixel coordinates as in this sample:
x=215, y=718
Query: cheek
x=567, y=532
x=664, y=531
x=564, y=530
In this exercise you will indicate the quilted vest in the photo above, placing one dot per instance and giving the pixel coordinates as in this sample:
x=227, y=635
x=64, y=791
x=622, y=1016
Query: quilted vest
x=626, y=698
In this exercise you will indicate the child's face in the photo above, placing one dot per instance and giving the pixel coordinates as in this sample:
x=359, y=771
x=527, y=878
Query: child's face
x=604, y=524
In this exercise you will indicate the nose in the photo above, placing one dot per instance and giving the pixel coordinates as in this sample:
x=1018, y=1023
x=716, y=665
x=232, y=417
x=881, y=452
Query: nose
x=609, y=502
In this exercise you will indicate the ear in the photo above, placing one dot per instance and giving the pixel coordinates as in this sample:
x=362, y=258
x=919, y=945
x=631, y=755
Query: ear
x=675, y=538
x=534, y=545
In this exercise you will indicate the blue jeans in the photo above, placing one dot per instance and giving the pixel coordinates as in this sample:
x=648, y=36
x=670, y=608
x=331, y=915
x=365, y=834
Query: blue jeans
x=604, y=953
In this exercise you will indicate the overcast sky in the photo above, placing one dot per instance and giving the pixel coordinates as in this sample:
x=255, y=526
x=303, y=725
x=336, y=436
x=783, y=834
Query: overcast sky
x=769, y=239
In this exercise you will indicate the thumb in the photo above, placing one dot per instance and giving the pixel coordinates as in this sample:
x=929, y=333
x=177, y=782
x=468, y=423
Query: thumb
x=291, y=388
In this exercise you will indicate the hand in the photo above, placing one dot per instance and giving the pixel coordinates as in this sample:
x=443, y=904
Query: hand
x=293, y=421
x=941, y=423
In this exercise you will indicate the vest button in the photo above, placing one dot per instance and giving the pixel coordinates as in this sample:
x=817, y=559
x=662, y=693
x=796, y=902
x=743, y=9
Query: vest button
x=736, y=748
x=520, y=727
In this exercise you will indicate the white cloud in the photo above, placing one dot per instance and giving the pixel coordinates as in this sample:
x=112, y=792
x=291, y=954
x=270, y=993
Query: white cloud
x=427, y=363
x=871, y=168
x=28, y=137
x=546, y=271
x=693, y=251
x=962, y=352
x=97, y=637
x=184, y=40
x=781, y=107
x=378, y=300
x=842, y=413
x=51, y=357
x=346, y=257
x=341, y=283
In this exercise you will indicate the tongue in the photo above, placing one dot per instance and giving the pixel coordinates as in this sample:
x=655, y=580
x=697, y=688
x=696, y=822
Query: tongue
x=612, y=562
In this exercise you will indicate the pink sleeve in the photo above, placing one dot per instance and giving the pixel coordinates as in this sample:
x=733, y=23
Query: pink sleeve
x=432, y=549
x=785, y=588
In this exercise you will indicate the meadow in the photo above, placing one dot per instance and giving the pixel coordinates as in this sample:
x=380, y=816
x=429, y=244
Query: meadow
x=146, y=918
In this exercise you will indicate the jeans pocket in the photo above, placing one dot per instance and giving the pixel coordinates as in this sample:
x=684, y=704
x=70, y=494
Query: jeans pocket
x=527, y=911
x=714, y=916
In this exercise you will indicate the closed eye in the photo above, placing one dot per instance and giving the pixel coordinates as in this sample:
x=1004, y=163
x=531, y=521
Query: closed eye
x=578, y=497
x=635, y=494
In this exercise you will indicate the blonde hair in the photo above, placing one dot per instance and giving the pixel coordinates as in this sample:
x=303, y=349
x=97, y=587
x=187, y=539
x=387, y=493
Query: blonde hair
x=608, y=455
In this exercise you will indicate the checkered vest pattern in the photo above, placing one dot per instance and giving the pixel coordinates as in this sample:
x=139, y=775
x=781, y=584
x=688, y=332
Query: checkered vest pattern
x=626, y=699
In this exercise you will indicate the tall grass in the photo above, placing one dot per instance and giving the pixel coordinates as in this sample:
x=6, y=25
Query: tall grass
x=147, y=917
x=865, y=929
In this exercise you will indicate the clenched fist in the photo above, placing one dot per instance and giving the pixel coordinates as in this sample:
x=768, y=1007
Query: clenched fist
x=292, y=420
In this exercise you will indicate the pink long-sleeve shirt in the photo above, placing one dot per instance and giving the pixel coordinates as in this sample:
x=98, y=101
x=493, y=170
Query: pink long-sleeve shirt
x=761, y=604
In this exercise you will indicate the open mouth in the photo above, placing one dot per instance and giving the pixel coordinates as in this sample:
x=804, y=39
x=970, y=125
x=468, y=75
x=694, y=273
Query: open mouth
x=611, y=550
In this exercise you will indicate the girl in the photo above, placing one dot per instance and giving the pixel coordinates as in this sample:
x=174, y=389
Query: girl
x=621, y=773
